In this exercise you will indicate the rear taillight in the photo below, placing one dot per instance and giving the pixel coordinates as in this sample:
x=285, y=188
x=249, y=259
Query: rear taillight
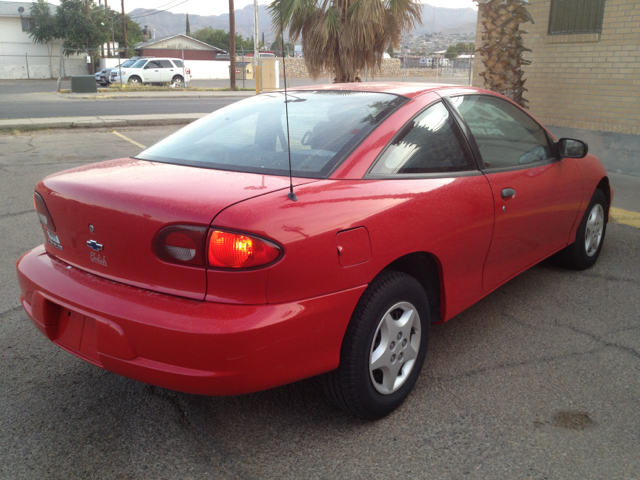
x=188, y=70
x=43, y=212
x=183, y=244
x=239, y=250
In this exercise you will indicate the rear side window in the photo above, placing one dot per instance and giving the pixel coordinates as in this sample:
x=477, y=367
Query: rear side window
x=251, y=135
x=430, y=143
x=165, y=64
x=178, y=63
x=506, y=136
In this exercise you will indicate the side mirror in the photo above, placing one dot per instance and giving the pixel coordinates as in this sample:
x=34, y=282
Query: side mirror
x=570, y=148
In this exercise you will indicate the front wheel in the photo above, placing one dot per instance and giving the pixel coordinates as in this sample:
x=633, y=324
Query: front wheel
x=383, y=349
x=135, y=81
x=584, y=252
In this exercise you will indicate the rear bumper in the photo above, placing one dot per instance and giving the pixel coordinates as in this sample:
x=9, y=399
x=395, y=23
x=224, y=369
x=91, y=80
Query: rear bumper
x=186, y=345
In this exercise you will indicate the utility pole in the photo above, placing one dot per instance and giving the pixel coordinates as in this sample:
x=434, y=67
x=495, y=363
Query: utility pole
x=232, y=45
x=86, y=5
x=106, y=11
x=256, y=50
x=124, y=30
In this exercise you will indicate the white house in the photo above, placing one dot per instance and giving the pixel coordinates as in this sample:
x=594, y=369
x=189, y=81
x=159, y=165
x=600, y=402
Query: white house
x=20, y=57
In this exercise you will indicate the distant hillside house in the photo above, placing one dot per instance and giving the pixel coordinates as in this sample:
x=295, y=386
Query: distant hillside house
x=20, y=58
x=177, y=45
x=585, y=70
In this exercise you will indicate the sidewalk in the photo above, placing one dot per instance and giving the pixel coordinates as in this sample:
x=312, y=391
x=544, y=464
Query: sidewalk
x=157, y=94
x=154, y=119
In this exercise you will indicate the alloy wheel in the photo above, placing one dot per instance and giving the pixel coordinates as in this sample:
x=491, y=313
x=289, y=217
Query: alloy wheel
x=594, y=230
x=395, y=348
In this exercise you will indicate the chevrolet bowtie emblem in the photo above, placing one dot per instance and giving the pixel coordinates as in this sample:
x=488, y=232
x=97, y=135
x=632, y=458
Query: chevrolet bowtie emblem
x=94, y=245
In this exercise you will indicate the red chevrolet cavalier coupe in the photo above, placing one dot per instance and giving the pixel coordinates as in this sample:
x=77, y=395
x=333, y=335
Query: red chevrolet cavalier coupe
x=191, y=266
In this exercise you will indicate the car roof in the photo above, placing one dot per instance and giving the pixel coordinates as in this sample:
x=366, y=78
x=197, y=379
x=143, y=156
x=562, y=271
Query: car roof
x=406, y=89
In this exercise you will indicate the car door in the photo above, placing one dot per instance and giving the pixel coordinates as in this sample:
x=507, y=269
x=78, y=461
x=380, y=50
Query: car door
x=152, y=72
x=167, y=71
x=450, y=214
x=536, y=196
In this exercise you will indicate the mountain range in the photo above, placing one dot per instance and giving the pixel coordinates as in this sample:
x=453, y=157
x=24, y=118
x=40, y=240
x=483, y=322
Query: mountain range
x=165, y=23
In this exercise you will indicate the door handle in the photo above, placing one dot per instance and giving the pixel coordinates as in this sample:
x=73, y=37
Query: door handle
x=508, y=193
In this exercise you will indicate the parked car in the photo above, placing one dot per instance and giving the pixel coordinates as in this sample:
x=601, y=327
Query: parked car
x=219, y=262
x=154, y=70
x=103, y=76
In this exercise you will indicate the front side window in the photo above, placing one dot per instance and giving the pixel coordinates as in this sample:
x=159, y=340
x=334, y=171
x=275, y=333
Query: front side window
x=430, y=143
x=506, y=136
x=251, y=135
x=576, y=16
x=152, y=64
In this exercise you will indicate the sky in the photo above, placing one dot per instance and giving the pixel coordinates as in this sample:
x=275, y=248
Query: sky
x=217, y=7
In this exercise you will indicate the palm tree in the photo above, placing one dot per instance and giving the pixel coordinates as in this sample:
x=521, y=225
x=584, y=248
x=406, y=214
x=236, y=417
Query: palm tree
x=345, y=36
x=502, y=46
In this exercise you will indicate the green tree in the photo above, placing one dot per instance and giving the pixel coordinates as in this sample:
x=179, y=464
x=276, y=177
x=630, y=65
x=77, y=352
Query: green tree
x=188, y=32
x=502, y=47
x=81, y=32
x=345, y=36
x=220, y=38
x=460, y=48
x=45, y=31
x=276, y=46
x=134, y=32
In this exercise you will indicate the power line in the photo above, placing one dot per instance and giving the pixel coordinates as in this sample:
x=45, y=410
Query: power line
x=169, y=3
x=159, y=11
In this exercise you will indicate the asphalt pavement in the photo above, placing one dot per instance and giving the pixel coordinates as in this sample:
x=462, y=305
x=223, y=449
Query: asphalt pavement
x=539, y=380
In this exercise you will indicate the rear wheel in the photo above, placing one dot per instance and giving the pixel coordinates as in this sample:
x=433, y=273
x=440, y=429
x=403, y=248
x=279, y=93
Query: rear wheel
x=584, y=252
x=383, y=349
x=177, y=81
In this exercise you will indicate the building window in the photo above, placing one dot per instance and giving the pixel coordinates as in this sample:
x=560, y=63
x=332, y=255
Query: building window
x=28, y=24
x=576, y=16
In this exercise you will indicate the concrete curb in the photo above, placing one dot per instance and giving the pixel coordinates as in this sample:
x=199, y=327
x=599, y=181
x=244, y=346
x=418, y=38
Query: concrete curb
x=164, y=95
x=100, y=122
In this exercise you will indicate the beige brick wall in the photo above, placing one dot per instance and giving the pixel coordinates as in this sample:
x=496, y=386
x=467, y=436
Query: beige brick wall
x=583, y=81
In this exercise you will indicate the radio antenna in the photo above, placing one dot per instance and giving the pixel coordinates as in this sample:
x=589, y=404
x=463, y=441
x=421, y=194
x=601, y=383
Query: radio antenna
x=291, y=194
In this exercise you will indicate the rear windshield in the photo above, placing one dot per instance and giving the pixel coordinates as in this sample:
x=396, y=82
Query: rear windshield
x=139, y=64
x=251, y=135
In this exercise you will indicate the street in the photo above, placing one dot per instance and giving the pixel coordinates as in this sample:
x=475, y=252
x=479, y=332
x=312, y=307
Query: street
x=38, y=99
x=540, y=379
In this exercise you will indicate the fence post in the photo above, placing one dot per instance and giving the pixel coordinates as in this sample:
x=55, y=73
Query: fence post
x=26, y=56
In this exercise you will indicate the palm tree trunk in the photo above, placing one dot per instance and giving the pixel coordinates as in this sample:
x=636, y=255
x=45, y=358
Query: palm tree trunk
x=502, y=47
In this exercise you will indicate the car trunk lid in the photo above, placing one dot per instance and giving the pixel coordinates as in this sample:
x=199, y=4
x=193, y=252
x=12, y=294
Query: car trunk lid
x=107, y=215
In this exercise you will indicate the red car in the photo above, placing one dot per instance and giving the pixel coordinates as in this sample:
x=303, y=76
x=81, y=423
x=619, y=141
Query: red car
x=201, y=265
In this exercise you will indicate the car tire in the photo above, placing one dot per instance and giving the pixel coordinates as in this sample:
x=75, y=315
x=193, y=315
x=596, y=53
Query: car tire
x=584, y=252
x=389, y=327
x=178, y=81
x=134, y=81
